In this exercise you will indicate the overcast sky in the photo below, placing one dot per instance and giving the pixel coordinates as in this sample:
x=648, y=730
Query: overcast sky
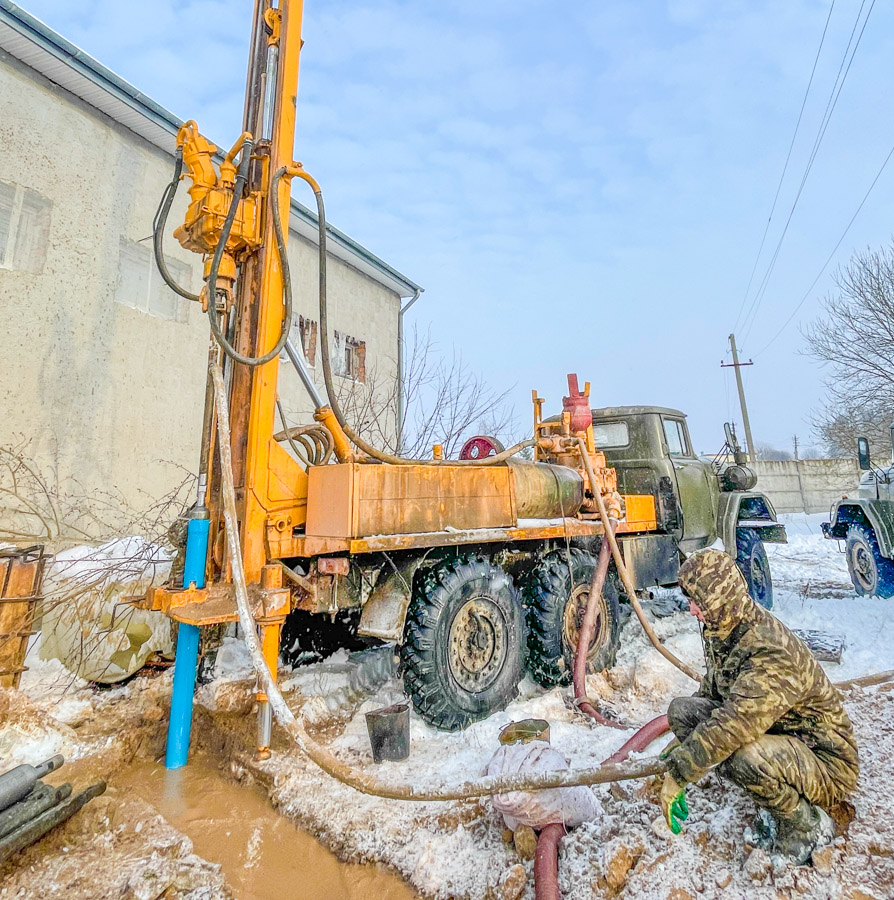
x=577, y=186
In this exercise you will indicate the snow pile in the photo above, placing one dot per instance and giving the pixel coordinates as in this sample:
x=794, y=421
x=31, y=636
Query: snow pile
x=86, y=623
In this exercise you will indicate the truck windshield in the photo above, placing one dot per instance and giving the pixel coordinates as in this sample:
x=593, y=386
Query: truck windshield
x=611, y=434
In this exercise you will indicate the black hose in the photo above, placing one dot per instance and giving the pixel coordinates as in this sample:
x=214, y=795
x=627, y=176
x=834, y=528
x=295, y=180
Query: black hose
x=324, y=347
x=226, y=346
x=158, y=229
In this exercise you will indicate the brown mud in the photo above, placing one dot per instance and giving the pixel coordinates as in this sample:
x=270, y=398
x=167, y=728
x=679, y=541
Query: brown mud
x=262, y=855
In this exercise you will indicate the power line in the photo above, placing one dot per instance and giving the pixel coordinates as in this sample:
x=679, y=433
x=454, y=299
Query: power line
x=788, y=157
x=843, y=70
x=831, y=255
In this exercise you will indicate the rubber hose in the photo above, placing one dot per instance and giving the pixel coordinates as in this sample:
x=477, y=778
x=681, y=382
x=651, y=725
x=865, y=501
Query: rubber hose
x=226, y=346
x=585, y=635
x=324, y=758
x=324, y=351
x=625, y=574
x=546, y=862
x=648, y=733
x=158, y=230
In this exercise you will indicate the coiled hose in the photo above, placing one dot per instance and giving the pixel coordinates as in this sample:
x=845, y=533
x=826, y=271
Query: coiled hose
x=367, y=448
x=326, y=760
x=312, y=444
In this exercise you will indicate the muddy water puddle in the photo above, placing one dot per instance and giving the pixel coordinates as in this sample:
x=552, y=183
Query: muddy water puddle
x=263, y=855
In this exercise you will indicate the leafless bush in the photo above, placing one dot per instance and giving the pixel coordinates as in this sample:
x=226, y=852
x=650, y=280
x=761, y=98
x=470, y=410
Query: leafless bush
x=36, y=506
x=84, y=586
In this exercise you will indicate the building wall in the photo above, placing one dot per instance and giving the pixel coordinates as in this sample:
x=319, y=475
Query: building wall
x=103, y=370
x=806, y=485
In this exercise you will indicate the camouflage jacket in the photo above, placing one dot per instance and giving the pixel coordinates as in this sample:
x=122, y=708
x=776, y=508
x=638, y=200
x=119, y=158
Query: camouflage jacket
x=764, y=677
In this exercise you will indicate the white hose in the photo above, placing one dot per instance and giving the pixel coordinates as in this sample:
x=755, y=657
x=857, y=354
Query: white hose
x=327, y=761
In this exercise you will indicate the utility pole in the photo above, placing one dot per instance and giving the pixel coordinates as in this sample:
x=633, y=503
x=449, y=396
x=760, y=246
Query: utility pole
x=735, y=364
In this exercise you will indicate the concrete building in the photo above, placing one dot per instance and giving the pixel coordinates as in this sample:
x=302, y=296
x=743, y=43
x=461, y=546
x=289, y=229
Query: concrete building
x=103, y=366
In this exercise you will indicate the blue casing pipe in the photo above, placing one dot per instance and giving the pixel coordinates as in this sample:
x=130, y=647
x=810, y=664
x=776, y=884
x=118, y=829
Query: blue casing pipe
x=187, y=656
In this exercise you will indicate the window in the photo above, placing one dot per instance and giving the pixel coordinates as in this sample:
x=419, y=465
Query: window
x=610, y=434
x=24, y=228
x=349, y=357
x=304, y=333
x=675, y=435
x=140, y=285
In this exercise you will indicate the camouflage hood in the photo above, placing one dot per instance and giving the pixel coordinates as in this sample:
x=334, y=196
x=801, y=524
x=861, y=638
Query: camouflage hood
x=716, y=586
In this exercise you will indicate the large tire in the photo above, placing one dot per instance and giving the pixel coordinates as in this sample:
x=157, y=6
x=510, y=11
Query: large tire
x=556, y=598
x=871, y=573
x=751, y=558
x=463, y=643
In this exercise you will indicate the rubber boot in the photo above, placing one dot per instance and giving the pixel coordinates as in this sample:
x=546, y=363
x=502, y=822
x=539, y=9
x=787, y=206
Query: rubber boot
x=808, y=829
x=763, y=831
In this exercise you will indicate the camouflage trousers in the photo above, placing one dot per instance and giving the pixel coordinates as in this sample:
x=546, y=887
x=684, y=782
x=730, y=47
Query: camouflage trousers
x=776, y=769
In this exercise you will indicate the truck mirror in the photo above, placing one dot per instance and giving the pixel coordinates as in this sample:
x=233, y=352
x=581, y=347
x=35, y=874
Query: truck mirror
x=863, y=454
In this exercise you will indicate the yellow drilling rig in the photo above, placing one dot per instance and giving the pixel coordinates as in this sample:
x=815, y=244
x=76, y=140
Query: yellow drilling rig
x=433, y=552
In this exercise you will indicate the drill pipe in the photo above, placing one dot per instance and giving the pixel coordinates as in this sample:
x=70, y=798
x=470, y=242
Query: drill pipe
x=30, y=832
x=18, y=782
x=39, y=800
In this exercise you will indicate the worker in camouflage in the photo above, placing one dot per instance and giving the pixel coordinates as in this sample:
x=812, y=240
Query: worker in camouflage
x=765, y=714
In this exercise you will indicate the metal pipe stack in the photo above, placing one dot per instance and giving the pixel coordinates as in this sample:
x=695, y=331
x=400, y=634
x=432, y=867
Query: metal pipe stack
x=29, y=808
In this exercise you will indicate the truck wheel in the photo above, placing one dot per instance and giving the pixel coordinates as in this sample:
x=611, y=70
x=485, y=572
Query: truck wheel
x=463, y=639
x=751, y=558
x=556, y=600
x=871, y=574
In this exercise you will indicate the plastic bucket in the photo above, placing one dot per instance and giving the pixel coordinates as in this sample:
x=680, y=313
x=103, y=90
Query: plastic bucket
x=389, y=732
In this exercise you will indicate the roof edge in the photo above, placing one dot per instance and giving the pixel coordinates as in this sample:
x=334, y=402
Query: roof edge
x=89, y=67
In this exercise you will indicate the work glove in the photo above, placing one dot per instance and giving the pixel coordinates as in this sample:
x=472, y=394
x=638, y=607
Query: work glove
x=666, y=752
x=673, y=803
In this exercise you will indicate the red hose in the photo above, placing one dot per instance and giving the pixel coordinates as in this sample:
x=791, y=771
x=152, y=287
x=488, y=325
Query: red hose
x=546, y=862
x=585, y=635
x=648, y=733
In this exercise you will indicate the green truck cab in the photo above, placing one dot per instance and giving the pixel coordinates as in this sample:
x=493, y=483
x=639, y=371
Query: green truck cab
x=866, y=524
x=697, y=501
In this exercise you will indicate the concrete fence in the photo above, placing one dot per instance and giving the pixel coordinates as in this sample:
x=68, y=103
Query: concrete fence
x=806, y=485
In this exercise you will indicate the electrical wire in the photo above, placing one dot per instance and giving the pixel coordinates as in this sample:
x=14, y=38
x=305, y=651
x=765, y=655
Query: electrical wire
x=840, y=78
x=809, y=290
x=788, y=157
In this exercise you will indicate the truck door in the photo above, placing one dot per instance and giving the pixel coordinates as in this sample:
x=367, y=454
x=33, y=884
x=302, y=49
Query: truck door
x=693, y=488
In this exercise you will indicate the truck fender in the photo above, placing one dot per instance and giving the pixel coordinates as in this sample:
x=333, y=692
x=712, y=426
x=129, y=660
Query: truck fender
x=877, y=514
x=747, y=509
x=386, y=609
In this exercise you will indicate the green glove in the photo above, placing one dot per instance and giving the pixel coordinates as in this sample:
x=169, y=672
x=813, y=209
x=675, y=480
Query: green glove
x=666, y=752
x=673, y=804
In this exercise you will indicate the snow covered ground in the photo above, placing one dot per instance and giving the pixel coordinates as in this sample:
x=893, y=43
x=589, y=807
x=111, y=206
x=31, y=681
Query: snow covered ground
x=457, y=850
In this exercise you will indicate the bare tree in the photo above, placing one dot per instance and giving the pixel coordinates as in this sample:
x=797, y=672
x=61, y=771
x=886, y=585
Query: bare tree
x=764, y=451
x=854, y=340
x=447, y=402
